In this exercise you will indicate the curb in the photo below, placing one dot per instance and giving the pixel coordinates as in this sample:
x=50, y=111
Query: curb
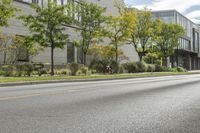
x=77, y=80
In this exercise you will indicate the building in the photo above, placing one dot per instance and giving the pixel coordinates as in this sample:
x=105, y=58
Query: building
x=70, y=53
x=187, y=55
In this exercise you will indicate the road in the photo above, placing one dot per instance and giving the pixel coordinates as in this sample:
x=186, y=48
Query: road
x=168, y=104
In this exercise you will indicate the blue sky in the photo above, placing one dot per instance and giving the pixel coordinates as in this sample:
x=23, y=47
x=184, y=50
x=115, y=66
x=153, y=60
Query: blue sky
x=190, y=8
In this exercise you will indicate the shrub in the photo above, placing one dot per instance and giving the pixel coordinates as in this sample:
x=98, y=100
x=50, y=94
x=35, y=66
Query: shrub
x=34, y=73
x=180, y=69
x=172, y=70
x=9, y=70
x=20, y=70
x=2, y=73
x=158, y=68
x=141, y=66
x=93, y=71
x=130, y=67
x=177, y=69
x=83, y=71
x=151, y=68
x=99, y=65
x=114, y=66
x=38, y=66
x=74, y=68
x=122, y=69
x=18, y=73
x=42, y=72
x=79, y=73
x=63, y=72
x=28, y=68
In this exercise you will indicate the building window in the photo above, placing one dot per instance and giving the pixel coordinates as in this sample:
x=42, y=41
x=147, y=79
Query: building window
x=70, y=53
x=22, y=55
x=79, y=55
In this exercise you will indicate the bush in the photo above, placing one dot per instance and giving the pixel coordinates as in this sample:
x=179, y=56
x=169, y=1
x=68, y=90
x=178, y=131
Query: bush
x=63, y=72
x=122, y=69
x=9, y=70
x=114, y=66
x=151, y=68
x=34, y=73
x=83, y=71
x=38, y=66
x=134, y=67
x=180, y=69
x=42, y=72
x=2, y=73
x=28, y=68
x=74, y=68
x=99, y=65
x=158, y=68
x=141, y=66
x=172, y=70
x=20, y=70
x=177, y=69
x=130, y=67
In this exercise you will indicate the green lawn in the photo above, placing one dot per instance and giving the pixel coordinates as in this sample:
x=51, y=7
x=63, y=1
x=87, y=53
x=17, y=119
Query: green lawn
x=22, y=79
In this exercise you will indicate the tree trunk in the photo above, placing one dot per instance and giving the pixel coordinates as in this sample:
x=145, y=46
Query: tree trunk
x=165, y=61
x=5, y=54
x=116, y=59
x=84, y=58
x=116, y=53
x=52, y=61
x=140, y=56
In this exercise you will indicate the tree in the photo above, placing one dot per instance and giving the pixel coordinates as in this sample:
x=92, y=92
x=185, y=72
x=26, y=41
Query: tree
x=90, y=25
x=16, y=47
x=4, y=46
x=105, y=52
x=46, y=27
x=141, y=34
x=118, y=29
x=6, y=12
x=166, y=38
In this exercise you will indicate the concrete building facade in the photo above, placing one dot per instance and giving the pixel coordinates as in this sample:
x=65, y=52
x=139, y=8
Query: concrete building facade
x=70, y=53
x=187, y=55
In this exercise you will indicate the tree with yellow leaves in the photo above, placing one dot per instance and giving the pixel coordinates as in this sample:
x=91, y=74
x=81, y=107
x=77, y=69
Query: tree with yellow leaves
x=118, y=28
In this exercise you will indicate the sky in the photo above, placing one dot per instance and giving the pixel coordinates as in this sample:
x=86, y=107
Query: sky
x=190, y=8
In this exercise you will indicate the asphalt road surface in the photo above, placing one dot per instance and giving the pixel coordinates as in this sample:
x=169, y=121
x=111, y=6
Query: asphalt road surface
x=148, y=105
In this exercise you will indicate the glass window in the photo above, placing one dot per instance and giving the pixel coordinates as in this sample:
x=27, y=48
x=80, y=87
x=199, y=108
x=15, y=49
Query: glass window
x=70, y=53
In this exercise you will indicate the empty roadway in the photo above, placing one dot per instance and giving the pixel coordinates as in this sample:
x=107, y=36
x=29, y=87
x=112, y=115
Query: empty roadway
x=169, y=104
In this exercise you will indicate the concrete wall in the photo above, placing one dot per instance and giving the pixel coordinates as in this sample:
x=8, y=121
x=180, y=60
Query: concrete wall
x=16, y=28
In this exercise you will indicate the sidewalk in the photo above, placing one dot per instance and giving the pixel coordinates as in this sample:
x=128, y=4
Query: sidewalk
x=194, y=71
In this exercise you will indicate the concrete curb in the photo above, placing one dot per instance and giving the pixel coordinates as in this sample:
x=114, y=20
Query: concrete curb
x=77, y=80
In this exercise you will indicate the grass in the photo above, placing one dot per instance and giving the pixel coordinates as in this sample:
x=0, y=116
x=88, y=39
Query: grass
x=115, y=76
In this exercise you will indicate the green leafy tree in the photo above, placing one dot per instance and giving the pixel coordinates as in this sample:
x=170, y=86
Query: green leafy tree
x=141, y=34
x=166, y=38
x=46, y=27
x=15, y=47
x=6, y=12
x=105, y=52
x=90, y=26
x=118, y=29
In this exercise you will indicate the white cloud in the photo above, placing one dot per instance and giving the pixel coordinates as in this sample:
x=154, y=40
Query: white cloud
x=196, y=20
x=179, y=5
x=194, y=14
